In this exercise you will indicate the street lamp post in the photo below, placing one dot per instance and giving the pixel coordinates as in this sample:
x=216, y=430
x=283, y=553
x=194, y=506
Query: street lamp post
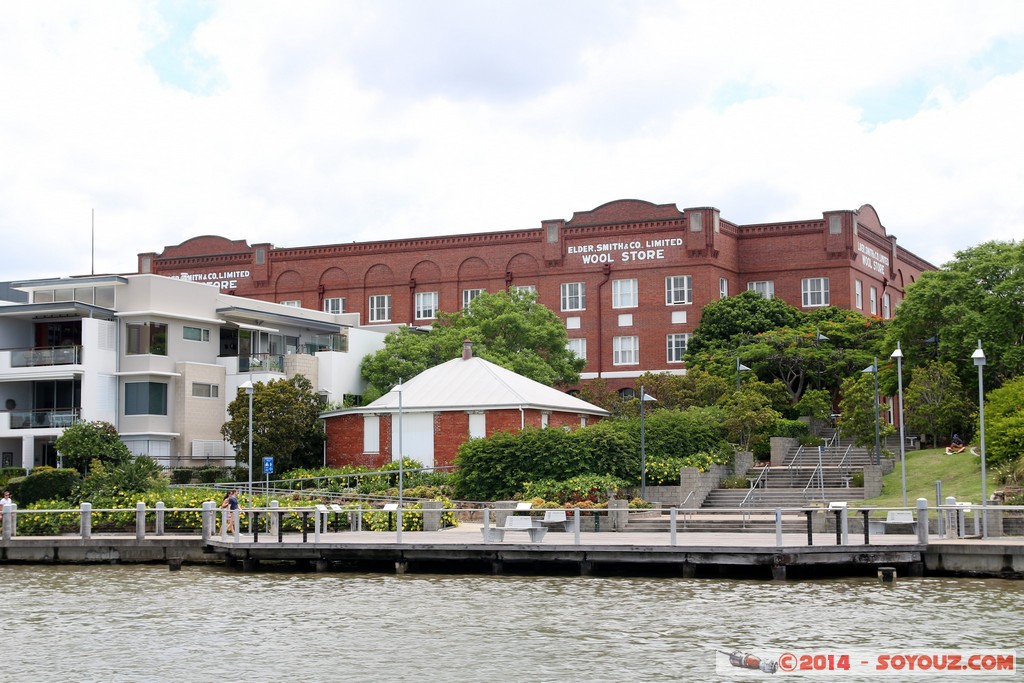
x=401, y=463
x=819, y=337
x=873, y=369
x=979, y=359
x=898, y=355
x=247, y=385
x=740, y=367
x=644, y=398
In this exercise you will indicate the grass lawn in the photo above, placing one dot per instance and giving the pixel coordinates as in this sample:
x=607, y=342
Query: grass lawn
x=960, y=476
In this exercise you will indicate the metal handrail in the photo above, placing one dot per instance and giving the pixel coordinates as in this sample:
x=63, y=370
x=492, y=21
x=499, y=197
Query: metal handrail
x=755, y=484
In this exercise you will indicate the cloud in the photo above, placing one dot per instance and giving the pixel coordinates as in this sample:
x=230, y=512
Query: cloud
x=331, y=122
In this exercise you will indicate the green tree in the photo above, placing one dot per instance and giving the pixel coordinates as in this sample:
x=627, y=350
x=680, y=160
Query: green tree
x=285, y=423
x=748, y=413
x=137, y=474
x=979, y=295
x=510, y=329
x=934, y=401
x=816, y=404
x=1004, y=423
x=725, y=322
x=858, y=411
x=83, y=442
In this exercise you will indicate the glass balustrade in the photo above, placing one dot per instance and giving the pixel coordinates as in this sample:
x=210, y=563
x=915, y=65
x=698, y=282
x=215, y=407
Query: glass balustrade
x=45, y=356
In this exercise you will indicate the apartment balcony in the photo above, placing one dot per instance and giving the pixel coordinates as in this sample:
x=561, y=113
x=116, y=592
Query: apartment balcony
x=44, y=356
x=39, y=419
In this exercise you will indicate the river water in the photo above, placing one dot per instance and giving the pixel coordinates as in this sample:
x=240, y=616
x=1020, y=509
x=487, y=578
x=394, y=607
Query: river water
x=145, y=623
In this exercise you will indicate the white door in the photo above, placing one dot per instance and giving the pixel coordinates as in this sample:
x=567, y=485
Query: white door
x=417, y=437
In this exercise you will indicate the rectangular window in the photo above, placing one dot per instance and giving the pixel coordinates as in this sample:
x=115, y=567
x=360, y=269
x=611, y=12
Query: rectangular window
x=146, y=338
x=574, y=296
x=625, y=350
x=696, y=222
x=814, y=291
x=426, y=305
x=196, y=334
x=524, y=289
x=835, y=225
x=578, y=347
x=858, y=291
x=469, y=294
x=675, y=347
x=723, y=287
x=678, y=290
x=886, y=312
x=371, y=434
x=766, y=288
x=624, y=293
x=380, y=308
x=202, y=390
x=873, y=300
x=334, y=305
x=145, y=398
x=294, y=303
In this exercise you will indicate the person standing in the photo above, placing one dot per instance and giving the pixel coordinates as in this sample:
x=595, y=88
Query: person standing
x=231, y=503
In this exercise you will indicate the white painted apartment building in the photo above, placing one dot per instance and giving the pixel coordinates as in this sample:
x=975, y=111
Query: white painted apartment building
x=160, y=359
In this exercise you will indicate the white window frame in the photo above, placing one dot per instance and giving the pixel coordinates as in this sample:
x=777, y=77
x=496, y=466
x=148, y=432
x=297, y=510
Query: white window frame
x=335, y=305
x=380, y=308
x=426, y=305
x=469, y=294
x=873, y=300
x=202, y=336
x=723, y=287
x=626, y=350
x=578, y=346
x=766, y=288
x=886, y=306
x=210, y=391
x=678, y=290
x=673, y=352
x=858, y=294
x=625, y=293
x=574, y=296
x=524, y=289
x=814, y=292
x=292, y=303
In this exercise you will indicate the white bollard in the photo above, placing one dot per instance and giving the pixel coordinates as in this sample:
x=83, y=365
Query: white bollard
x=160, y=509
x=7, y=522
x=140, y=521
x=952, y=518
x=86, y=520
x=922, y=520
x=487, y=525
x=844, y=521
x=208, y=520
x=275, y=519
x=672, y=526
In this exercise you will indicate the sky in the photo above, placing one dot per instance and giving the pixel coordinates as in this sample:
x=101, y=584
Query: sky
x=126, y=127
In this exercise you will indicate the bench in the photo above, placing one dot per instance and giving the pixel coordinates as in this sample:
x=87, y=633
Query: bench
x=556, y=519
x=514, y=523
x=899, y=520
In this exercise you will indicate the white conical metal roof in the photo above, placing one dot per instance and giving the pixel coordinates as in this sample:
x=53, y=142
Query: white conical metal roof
x=475, y=384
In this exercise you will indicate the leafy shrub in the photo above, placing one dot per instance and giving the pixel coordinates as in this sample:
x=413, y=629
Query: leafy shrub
x=182, y=475
x=811, y=441
x=8, y=473
x=45, y=483
x=210, y=474
x=590, y=487
x=857, y=479
x=733, y=483
x=791, y=428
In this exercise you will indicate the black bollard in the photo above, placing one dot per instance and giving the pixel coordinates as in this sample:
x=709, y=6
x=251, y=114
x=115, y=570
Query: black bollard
x=305, y=531
x=810, y=533
x=867, y=527
x=255, y=527
x=280, y=527
x=839, y=530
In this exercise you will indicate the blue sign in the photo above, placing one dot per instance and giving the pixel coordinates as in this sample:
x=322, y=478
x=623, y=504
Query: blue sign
x=268, y=465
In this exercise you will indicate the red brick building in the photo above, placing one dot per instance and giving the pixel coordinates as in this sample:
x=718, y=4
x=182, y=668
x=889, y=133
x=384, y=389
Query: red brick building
x=629, y=278
x=434, y=413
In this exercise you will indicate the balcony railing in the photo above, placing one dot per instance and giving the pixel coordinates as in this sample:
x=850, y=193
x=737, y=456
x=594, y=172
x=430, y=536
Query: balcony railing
x=45, y=356
x=43, y=419
x=261, y=362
